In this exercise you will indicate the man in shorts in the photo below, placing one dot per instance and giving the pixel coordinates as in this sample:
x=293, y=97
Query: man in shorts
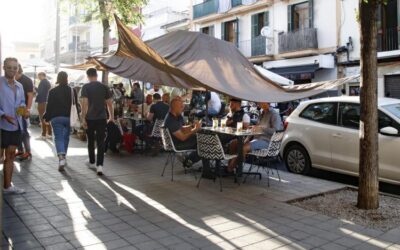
x=12, y=110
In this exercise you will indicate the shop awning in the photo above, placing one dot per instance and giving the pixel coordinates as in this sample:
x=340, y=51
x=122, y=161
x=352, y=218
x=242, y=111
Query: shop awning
x=186, y=59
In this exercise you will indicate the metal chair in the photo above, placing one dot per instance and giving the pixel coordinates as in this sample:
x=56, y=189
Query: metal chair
x=153, y=141
x=169, y=147
x=265, y=157
x=209, y=147
x=156, y=132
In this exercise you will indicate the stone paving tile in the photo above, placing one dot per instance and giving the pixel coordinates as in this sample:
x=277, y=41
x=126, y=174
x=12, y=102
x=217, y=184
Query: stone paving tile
x=347, y=241
x=332, y=246
x=52, y=240
x=132, y=207
x=394, y=247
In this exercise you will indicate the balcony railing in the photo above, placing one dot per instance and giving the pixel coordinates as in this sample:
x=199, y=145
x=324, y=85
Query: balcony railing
x=388, y=39
x=257, y=46
x=80, y=46
x=206, y=8
x=210, y=7
x=298, y=40
x=236, y=3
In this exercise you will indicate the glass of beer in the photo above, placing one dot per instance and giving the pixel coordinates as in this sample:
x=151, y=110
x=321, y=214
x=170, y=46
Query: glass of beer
x=21, y=111
x=239, y=126
x=215, y=123
x=223, y=123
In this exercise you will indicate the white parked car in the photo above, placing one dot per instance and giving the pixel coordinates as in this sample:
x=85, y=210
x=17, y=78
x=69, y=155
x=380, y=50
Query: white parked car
x=324, y=133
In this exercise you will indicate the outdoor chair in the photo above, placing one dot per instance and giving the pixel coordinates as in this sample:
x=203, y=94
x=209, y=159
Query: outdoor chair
x=209, y=147
x=153, y=141
x=169, y=147
x=264, y=158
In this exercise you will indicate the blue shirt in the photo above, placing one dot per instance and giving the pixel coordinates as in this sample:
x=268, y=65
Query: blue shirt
x=9, y=102
x=43, y=91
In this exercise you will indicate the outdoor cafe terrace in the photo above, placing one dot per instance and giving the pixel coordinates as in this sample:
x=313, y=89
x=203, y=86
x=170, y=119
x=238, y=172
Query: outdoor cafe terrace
x=133, y=207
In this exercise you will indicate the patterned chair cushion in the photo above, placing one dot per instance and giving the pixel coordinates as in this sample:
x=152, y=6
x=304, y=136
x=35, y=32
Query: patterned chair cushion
x=166, y=139
x=156, y=132
x=273, y=148
x=209, y=147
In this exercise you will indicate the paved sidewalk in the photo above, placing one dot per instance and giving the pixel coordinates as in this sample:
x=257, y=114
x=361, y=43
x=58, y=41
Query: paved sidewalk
x=133, y=207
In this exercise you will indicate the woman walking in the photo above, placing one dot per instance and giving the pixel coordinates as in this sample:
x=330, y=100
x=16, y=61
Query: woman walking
x=58, y=111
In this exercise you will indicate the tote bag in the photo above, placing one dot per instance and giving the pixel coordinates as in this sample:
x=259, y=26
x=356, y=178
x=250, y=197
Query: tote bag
x=74, y=117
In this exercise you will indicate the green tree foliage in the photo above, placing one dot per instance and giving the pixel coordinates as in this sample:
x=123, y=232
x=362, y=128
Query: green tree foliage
x=103, y=11
x=127, y=10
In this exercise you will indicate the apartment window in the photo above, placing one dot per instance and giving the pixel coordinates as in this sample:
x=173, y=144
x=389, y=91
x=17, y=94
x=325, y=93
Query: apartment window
x=258, y=42
x=76, y=39
x=258, y=21
x=300, y=16
x=388, y=19
x=230, y=31
x=209, y=30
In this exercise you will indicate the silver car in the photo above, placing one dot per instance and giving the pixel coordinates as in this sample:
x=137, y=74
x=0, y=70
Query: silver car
x=324, y=133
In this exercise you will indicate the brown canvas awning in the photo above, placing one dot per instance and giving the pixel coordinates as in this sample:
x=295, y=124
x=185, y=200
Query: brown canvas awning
x=194, y=60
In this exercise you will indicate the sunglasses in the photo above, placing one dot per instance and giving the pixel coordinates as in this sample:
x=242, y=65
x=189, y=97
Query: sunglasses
x=10, y=67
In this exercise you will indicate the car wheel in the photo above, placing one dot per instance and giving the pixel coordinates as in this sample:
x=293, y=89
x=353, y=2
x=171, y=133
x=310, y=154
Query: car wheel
x=297, y=159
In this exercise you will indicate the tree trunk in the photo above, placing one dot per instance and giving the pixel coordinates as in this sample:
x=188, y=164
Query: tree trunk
x=368, y=193
x=106, y=34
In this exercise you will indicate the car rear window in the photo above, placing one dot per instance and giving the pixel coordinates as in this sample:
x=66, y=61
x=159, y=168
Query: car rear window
x=321, y=112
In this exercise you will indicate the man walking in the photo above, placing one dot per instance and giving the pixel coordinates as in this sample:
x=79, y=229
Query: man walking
x=27, y=84
x=12, y=108
x=95, y=96
x=41, y=99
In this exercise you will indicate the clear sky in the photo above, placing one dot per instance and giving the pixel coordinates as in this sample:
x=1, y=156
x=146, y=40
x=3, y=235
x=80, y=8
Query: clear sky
x=21, y=20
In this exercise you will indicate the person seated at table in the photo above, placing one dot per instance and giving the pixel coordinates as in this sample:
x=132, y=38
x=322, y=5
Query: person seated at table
x=269, y=122
x=184, y=137
x=146, y=106
x=158, y=110
x=237, y=114
x=165, y=98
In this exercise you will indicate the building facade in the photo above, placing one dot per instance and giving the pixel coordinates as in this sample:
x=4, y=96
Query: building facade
x=292, y=38
x=304, y=40
x=161, y=17
x=388, y=46
x=78, y=38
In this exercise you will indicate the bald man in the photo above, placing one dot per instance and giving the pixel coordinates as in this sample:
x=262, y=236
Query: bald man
x=184, y=137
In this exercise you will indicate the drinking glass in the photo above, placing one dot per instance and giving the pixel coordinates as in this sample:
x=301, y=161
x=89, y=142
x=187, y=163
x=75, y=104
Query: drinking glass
x=223, y=123
x=239, y=126
x=215, y=123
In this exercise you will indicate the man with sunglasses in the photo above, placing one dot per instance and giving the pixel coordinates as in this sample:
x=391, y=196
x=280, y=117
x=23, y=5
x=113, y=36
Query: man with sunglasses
x=12, y=110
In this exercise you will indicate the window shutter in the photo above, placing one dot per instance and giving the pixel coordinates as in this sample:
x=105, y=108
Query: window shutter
x=223, y=31
x=254, y=25
x=311, y=13
x=211, y=29
x=289, y=14
x=266, y=18
x=237, y=33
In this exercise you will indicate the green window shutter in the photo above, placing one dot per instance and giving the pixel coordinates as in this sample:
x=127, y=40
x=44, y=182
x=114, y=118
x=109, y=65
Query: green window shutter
x=311, y=13
x=266, y=18
x=254, y=25
x=212, y=31
x=237, y=33
x=223, y=31
x=289, y=17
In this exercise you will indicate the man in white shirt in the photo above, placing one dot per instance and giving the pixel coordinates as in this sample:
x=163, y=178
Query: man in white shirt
x=156, y=89
x=237, y=114
x=213, y=103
